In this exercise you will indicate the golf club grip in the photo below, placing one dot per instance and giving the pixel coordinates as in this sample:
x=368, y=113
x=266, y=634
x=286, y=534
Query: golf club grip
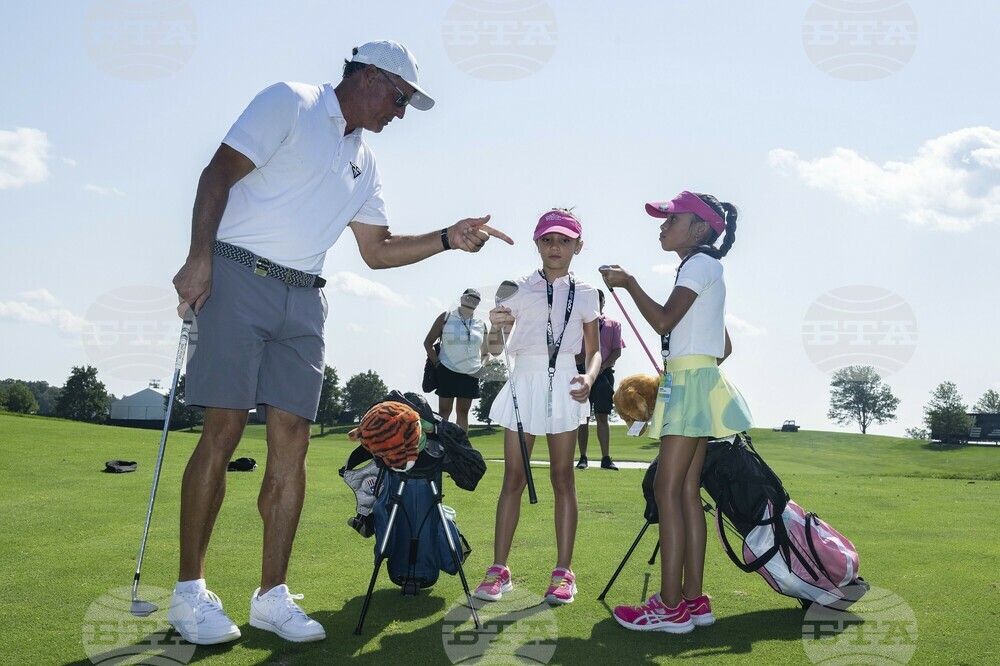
x=532, y=497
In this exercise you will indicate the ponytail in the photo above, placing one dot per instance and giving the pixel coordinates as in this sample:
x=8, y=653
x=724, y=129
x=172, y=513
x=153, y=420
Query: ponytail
x=727, y=212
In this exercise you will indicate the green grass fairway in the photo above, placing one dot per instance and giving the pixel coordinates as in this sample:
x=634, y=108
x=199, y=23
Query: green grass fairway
x=922, y=519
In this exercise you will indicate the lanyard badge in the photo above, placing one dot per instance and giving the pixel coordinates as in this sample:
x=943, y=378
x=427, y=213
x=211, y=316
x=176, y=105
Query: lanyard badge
x=553, y=344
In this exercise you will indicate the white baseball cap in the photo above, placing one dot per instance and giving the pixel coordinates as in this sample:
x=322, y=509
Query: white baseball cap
x=395, y=58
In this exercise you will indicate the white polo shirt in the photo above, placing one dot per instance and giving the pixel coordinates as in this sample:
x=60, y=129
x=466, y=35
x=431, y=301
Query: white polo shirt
x=311, y=181
x=703, y=329
x=529, y=306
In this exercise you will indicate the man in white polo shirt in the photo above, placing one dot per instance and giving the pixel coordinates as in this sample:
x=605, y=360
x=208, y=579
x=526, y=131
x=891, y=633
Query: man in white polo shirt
x=292, y=173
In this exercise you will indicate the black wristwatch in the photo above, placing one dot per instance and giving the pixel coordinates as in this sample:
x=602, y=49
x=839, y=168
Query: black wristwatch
x=444, y=239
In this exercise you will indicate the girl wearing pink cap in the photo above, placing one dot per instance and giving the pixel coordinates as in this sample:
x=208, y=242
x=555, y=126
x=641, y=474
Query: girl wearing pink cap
x=695, y=403
x=545, y=321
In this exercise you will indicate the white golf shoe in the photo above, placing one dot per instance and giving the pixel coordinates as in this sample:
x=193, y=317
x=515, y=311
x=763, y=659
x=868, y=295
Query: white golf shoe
x=277, y=611
x=196, y=613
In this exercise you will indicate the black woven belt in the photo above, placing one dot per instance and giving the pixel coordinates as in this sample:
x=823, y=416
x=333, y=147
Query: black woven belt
x=265, y=267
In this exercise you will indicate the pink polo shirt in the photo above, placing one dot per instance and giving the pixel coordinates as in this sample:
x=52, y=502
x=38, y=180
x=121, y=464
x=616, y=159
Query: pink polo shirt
x=611, y=337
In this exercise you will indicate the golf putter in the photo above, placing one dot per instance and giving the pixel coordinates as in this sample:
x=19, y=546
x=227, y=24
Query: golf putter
x=504, y=292
x=142, y=608
x=642, y=342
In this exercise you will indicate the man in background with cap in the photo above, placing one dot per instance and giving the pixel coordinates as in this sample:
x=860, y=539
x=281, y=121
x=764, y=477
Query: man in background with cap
x=292, y=173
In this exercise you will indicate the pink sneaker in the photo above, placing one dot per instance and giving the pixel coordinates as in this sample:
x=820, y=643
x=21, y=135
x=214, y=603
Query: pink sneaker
x=655, y=616
x=495, y=583
x=562, y=587
x=700, y=610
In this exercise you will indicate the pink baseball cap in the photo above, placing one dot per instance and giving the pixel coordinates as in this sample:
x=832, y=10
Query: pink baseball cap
x=558, y=222
x=688, y=202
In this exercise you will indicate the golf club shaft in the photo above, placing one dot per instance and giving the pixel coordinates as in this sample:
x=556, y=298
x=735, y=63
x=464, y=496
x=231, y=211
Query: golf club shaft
x=635, y=330
x=532, y=497
x=182, y=346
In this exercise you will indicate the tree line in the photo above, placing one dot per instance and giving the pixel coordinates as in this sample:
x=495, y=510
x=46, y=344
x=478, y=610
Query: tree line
x=85, y=398
x=858, y=395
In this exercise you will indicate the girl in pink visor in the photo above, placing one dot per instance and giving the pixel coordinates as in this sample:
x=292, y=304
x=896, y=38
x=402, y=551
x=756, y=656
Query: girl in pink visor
x=546, y=320
x=695, y=402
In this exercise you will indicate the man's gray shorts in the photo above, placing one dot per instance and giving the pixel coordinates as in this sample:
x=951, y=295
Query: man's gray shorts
x=259, y=342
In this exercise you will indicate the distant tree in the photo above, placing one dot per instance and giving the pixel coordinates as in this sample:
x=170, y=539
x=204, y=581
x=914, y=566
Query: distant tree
x=20, y=400
x=331, y=399
x=918, y=433
x=988, y=404
x=490, y=382
x=945, y=415
x=183, y=416
x=858, y=395
x=45, y=395
x=83, y=398
x=362, y=391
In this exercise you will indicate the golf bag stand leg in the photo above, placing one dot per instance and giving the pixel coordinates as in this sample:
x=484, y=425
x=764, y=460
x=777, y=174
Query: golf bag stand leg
x=454, y=553
x=624, y=560
x=394, y=499
x=656, y=549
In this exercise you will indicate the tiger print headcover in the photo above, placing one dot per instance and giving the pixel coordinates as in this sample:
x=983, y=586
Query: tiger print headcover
x=391, y=431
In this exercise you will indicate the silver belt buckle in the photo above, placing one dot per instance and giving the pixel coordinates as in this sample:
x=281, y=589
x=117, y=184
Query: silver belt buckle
x=262, y=267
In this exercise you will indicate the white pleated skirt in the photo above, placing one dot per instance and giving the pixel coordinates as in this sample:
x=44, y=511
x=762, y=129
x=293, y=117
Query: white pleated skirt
x=530, y=377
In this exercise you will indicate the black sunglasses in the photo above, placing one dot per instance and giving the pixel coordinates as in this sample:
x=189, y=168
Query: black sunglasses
x=403, y=98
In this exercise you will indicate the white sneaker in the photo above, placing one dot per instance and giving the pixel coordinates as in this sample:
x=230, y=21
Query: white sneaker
x=198, y=617
x=277, y=611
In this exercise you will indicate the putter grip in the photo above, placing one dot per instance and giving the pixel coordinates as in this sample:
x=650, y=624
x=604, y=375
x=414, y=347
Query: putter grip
x=532, y=497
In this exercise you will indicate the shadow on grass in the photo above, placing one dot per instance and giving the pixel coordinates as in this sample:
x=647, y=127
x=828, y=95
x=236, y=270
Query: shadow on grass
x=732, y=635
x=382, y=643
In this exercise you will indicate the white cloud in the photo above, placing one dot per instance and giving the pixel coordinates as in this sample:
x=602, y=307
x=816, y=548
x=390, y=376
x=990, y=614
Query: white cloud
x=351, y=283
x=437, y=304
x=665, y=269
x=59, y=318
x=68, y=161
x=104, y=191
x=952, y=183
x=743, y=327
x=354, y=328
x=23, y=156
x=41, y=295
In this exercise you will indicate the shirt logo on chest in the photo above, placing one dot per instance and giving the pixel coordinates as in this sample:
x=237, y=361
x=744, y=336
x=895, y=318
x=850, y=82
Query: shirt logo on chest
x=355, y=170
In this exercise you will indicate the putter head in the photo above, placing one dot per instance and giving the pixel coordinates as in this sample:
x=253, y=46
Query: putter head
x=506, y=289
x=142, y=608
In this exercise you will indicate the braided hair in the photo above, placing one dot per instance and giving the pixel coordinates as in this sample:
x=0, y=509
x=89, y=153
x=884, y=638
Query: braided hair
x=727, y=212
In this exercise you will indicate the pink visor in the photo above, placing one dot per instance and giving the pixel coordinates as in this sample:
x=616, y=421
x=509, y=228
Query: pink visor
x=687, y=202
x=557, y=222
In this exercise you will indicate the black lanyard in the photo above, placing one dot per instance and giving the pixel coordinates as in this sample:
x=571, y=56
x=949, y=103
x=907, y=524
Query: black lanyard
x=553, y=344
x=665, y=338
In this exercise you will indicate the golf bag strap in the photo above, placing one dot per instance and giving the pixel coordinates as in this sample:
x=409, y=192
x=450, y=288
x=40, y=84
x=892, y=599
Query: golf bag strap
x=748, y=568
x=810, y=523
x=358, y=456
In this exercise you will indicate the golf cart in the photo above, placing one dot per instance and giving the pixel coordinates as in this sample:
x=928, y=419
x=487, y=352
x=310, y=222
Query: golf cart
x=787, y=426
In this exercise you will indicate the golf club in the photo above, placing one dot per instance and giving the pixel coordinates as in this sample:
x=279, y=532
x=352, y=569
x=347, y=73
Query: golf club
x=504, y=292
x=642, y=342
x=142, y=608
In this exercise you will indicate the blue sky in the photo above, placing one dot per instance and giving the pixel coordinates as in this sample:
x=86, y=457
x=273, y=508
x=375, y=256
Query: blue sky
x=888, y=188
